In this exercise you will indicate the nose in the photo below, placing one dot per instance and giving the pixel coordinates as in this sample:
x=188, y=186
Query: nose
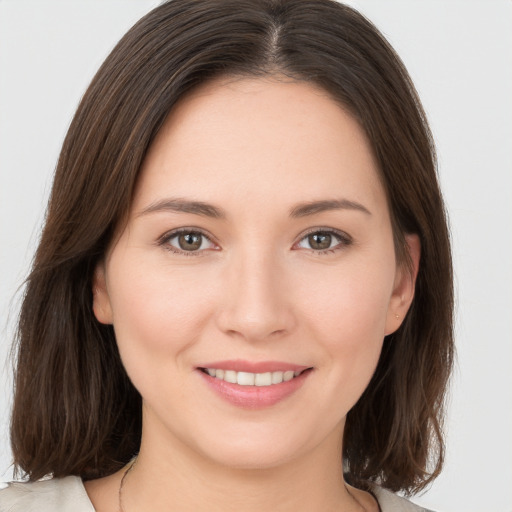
x=256, y=304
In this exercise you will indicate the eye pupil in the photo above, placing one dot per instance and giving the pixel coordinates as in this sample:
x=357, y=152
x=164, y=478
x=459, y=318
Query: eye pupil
x=189, y=241
x=320, y=240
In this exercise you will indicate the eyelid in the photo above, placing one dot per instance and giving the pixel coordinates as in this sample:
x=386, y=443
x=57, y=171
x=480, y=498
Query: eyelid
x=163, y=240
x=345, y=239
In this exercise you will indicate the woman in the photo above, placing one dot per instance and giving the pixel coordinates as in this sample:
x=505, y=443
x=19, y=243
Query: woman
x=242, y=297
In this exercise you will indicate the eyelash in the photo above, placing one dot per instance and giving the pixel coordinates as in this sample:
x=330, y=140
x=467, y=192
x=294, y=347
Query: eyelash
x=167, y=237
x=344, y=240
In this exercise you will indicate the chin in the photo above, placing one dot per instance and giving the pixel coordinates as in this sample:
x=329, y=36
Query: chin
x=251, y=457
x=258, y=446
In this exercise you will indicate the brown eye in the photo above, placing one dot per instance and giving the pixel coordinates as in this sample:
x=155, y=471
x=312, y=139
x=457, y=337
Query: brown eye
x=189, y=241
x=320, y=241
x=324, y=241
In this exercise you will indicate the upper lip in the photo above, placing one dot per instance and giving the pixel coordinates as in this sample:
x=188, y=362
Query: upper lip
x=239, y=365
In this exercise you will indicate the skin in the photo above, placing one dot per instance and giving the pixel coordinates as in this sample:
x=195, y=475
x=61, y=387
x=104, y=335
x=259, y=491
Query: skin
x=255, y=290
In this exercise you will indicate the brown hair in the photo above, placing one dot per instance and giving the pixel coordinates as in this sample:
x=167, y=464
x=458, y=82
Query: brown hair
x=75, y=410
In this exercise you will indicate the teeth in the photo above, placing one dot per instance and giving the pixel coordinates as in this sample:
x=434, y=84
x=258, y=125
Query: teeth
x=245, y=379
x=288, y=376
x=229, y=376
x=277, y=377
x=253, y=379
x=263, y=379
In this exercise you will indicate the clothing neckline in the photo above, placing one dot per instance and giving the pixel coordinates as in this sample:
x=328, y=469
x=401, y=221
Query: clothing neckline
x=69, y=493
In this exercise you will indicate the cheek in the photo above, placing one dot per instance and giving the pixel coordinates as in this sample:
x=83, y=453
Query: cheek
x=157, y=312
x=350, y=302
x=347, y=315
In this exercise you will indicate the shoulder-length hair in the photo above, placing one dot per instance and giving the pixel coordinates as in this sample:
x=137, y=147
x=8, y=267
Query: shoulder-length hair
x=75, y=410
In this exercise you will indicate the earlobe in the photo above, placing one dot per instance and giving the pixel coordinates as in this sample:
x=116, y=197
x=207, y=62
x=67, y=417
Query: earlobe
x=404, y=286
x=100, y=298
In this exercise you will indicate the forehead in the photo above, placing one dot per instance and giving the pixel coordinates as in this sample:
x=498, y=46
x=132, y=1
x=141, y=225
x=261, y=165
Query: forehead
x=260, y=138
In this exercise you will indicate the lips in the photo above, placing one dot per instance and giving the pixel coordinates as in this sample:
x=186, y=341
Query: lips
x=254, y=385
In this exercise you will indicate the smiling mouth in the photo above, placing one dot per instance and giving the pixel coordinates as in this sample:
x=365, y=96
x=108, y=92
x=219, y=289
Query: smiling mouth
x=253, y=379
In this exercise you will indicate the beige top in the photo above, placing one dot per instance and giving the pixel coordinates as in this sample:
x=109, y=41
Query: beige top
x=69, y=495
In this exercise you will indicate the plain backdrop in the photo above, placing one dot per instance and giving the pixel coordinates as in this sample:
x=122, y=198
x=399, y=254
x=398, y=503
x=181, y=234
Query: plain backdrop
x=459, y=53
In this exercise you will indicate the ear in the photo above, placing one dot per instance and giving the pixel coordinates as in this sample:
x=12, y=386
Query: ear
x=404, y=285
x=100, y=298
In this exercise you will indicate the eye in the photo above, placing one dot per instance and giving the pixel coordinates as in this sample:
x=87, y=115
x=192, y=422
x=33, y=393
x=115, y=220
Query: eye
x=187, y=241
x=324, y=241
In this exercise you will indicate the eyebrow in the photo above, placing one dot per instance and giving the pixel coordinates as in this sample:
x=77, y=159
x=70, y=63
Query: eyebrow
x=185, y=206
x=208, y=210
x=314, y=207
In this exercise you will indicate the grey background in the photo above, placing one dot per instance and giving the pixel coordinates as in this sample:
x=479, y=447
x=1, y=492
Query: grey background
x=459, y=53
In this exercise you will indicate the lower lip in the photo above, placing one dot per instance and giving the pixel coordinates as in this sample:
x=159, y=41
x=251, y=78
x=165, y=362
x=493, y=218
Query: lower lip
x=254, y=397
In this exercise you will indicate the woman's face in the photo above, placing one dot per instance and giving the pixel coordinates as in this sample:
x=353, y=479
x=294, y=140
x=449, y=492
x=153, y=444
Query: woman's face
x=259, y=247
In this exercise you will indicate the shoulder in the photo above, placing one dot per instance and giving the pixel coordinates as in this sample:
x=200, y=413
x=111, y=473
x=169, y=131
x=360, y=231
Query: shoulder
x=54, y=495
x=390, y=502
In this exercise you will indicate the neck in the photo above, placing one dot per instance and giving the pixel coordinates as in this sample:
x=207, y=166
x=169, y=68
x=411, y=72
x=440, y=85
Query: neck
x=175, y=476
